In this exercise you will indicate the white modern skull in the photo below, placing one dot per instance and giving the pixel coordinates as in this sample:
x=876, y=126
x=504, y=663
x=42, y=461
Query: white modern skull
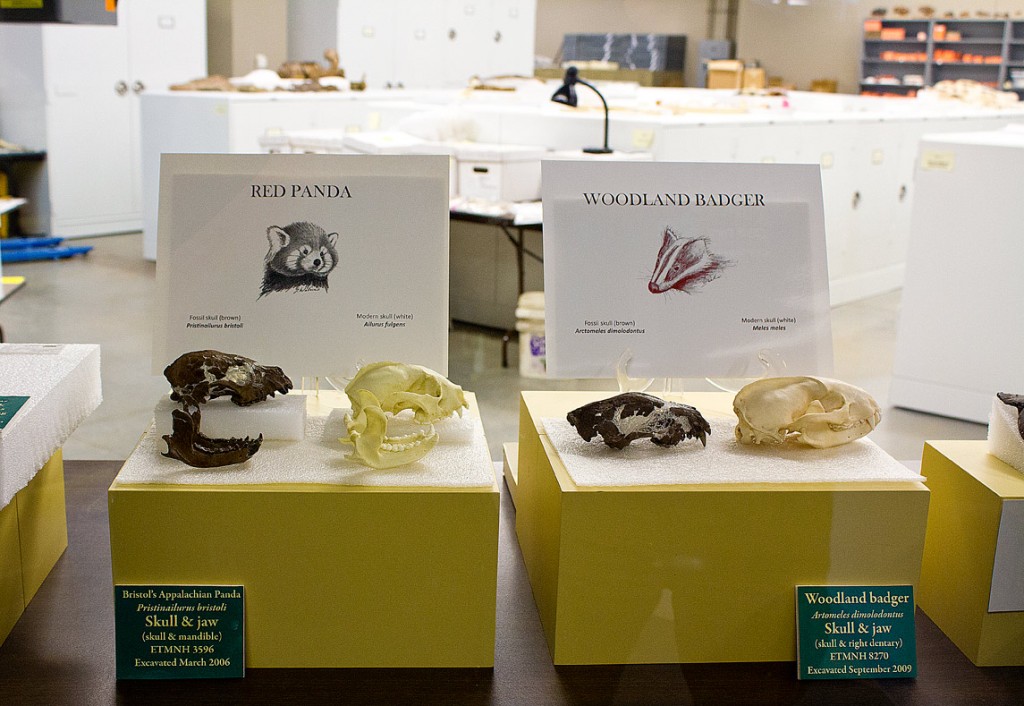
x=816, y=412
x=379, y=389
x=371, y=446
x=400, y=386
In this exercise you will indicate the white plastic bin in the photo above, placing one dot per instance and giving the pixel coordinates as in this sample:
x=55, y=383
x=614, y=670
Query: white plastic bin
x=532, y=345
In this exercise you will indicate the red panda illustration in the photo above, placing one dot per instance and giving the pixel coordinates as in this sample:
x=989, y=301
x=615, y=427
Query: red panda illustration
x=300, y=258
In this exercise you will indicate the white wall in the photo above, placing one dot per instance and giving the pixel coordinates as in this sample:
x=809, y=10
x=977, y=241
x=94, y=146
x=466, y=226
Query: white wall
x=799, y=44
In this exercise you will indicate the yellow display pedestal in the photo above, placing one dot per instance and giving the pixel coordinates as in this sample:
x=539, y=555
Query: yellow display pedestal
x=695, y=573
x=969, y=488
x=33, y=535
x=334, y=576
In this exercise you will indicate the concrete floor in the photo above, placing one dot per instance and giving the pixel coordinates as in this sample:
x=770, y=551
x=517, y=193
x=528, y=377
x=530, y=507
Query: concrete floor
x=106, y=297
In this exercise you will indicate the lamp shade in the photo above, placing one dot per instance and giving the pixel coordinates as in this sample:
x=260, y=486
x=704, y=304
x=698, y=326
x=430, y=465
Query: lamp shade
x=566, y=95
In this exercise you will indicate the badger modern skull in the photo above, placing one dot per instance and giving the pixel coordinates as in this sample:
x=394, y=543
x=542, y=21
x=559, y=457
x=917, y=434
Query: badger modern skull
x=379, y=389
x=816, y=412
x=200, y=376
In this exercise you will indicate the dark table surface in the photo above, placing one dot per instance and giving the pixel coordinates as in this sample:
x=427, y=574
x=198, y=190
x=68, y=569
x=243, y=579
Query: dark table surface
x=62, y=652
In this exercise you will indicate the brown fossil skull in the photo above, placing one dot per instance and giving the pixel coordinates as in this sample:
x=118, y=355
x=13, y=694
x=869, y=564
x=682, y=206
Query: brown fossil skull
x=197, y=378
x=635, y=415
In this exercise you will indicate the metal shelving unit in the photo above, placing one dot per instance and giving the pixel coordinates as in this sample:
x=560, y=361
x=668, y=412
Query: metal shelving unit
x=920, y=53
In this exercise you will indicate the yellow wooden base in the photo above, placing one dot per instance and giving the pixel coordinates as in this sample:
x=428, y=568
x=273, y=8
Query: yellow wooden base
x=695, y=573
x=969, y=487
x=510, y=468
x=33, y=535
x=334, y=576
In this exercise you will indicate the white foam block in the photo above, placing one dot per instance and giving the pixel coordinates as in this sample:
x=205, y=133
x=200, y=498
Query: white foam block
x=724, y=460
x=460, y=458
x=62, y=383
x=1004, y=440
x=278, y=418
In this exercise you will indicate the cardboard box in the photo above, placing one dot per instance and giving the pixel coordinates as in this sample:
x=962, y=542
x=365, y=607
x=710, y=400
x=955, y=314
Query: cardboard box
x=725, y=73
x=33, y=535
x=965, y=562
x=695, y=573
x=334, y=576
x=754, y=78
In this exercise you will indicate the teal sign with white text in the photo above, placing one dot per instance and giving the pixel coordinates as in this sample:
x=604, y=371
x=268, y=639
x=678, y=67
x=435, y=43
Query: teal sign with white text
x=855, y=632
x=9, y=406
x=179, y=632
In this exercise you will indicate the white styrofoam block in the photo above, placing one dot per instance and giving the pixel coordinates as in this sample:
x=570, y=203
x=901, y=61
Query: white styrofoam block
x=279, y=418
x=62, y=383
x=725, y=460
x=1004, y=440
x=460, y=459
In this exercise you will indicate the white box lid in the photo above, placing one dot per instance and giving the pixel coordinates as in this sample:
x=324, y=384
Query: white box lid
x=382, y=142
x=485, y=152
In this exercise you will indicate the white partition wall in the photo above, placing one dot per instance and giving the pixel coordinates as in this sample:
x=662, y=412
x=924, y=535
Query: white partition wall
x=961, y=330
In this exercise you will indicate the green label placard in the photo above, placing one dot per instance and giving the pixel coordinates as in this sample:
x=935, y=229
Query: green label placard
x=20, y=4
x=855, y=632
x=179, y=632
x=9, y=405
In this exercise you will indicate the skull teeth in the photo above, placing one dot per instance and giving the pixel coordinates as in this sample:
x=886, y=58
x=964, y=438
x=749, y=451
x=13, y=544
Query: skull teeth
x=404, y=443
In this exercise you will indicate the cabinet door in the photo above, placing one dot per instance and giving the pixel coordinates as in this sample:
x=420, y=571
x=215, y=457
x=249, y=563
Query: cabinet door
x=166, y=45
x=420, y=43
x=89, y=128
x=469, y=34
x=166, y=41
x=366, y=40
x=512, y=37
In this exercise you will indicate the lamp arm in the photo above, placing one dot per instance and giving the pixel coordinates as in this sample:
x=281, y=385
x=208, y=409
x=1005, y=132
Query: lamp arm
x=605, y=104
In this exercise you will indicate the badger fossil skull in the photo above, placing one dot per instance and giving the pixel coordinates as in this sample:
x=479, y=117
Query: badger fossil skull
x=635, y=415
x=816, y=412
x=200, y=376
x=384, y=388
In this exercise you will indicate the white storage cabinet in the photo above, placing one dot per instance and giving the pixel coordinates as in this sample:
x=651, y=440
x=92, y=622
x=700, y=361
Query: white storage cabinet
x=73, y=90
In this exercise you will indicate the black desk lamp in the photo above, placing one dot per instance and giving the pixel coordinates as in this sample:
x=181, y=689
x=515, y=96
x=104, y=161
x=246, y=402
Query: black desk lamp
x=566, y=95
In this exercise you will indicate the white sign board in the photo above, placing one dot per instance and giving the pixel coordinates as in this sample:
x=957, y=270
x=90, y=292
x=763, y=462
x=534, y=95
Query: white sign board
x=696, y=269
x=313, y=263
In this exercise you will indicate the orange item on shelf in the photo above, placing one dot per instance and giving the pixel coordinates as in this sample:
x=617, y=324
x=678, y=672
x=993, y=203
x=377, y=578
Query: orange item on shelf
x=939, y=32
x=872, y=25
x=894, y=34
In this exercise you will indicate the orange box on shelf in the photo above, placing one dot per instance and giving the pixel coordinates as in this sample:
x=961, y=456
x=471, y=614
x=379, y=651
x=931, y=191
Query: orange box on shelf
x=939, y=32
x=872, y=25
x=954, y=36
x=894, y=34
